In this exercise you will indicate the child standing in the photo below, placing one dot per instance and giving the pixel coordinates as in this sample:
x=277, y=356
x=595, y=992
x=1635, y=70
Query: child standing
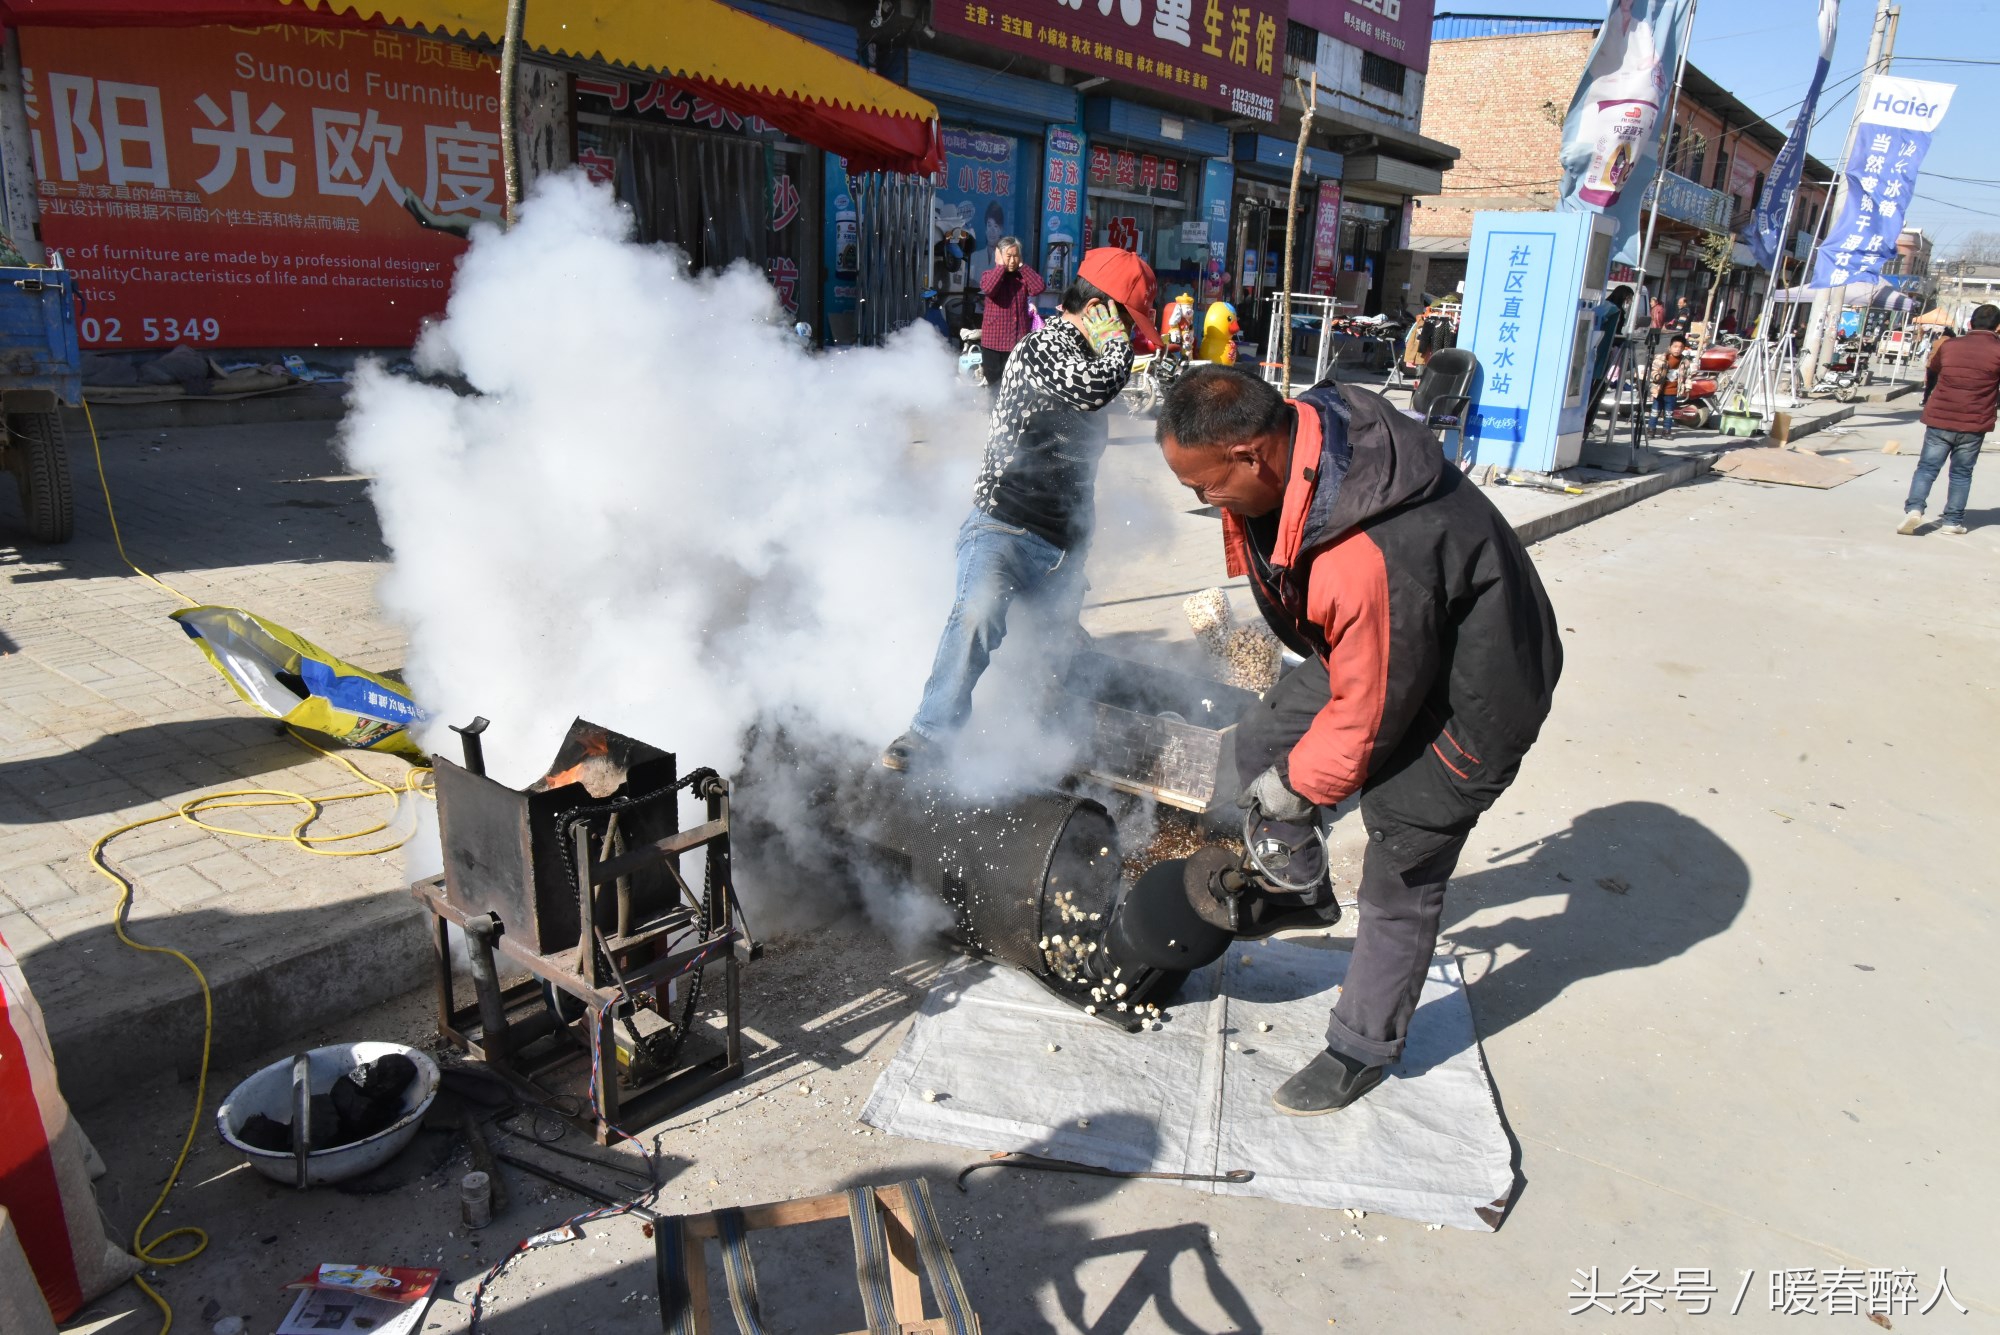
x=1669, y=373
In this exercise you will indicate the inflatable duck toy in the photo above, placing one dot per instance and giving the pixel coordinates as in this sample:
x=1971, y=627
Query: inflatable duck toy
x=1219, y=330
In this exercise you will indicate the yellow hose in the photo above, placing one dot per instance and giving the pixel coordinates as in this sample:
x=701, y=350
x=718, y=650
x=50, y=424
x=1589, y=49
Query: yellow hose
x=191, y=812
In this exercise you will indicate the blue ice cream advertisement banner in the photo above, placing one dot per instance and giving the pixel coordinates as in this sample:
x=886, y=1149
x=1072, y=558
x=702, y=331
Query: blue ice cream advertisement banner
x=1611, y=136
x=1062, y=205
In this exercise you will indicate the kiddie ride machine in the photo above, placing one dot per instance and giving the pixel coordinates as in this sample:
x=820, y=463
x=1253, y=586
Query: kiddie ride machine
x=575, y=887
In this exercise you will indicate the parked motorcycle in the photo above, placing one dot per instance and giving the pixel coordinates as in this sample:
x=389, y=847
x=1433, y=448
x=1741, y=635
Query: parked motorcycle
x=1153, y=374
x=971, y=357
x=1836, y=382
x=1697, y=407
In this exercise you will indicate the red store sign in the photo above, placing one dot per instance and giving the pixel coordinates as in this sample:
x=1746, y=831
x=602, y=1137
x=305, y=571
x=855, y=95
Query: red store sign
x=1226, y=54
x=259, y=187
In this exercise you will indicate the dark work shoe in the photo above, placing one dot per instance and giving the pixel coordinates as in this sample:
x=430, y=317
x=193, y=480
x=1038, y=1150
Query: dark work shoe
x=908, y=752
x=1330, y=1082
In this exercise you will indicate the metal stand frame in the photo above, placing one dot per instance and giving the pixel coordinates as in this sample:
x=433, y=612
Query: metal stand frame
x=503, y=1024
x=1307, y=305
x=1635, y=361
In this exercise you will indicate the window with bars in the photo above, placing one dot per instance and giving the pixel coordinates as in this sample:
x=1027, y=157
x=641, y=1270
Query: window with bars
x=1382, y=72
x=1301, y=42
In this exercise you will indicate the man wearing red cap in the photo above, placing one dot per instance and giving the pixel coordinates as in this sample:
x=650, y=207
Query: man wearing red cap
x=1034, y=503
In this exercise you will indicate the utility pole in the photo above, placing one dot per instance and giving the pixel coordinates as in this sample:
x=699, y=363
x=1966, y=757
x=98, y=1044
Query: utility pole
x=1881, y=49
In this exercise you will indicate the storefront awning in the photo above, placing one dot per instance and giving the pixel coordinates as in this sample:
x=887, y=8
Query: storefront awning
x=739, y=62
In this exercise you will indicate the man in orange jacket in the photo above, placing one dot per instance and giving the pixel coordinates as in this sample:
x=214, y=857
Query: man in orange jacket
x=1431, y=656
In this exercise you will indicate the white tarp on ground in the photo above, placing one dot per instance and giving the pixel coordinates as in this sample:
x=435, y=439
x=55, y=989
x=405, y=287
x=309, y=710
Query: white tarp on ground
x=1426, y=1145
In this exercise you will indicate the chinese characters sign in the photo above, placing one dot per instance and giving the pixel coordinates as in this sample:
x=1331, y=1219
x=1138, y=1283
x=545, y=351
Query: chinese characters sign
x=1220, y=52
x=980, y=172
x=259, y=187
x=1326, y=238
x=1889, y=146
x=1121, y=169
x=1525, y=321
x=1062, y=205
x=1398, y=29
x=1513, y=283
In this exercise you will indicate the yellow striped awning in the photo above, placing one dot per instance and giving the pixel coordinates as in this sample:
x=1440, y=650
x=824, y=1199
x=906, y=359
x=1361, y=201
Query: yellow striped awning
x=744, y=63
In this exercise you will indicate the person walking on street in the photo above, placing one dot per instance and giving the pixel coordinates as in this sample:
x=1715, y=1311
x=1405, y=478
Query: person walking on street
x=1657, y=315
x=1961, y=395
x=1010, y=290
x=1683, y=315
x=1431, y=659
x=1034, y=505
x=1669, y=371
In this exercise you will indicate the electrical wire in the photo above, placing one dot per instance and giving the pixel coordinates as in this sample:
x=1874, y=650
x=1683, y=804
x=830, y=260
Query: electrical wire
x=148, y=1251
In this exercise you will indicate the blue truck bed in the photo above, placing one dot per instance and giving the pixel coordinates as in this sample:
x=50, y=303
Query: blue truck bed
x=38, y=348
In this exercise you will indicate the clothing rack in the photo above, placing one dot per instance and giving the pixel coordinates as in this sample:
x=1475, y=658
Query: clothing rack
x=1435, y=329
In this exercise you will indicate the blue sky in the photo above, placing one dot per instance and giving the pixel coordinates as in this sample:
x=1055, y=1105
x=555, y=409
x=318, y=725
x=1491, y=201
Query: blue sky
x=1763, y=50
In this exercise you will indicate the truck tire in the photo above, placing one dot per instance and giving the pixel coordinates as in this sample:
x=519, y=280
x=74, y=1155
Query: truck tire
x=39, y=458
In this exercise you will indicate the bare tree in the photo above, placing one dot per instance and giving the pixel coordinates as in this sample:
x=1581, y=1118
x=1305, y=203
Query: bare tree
x=1977, y=248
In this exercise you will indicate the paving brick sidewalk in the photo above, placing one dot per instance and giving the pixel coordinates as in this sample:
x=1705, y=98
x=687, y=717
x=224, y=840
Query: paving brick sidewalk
x=108, y=714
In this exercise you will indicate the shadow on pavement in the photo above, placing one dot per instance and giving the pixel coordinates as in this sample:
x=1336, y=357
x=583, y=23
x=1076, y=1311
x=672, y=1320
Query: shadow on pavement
x=205, y=498
x=1018, y=1240
x=162, y=761
x=1645, y=884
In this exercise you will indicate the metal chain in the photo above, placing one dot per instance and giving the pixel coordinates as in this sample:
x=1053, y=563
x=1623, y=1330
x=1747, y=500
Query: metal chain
x=566, y=822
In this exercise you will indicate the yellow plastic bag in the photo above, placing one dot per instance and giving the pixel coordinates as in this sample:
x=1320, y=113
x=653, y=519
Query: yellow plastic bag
x=286, y=677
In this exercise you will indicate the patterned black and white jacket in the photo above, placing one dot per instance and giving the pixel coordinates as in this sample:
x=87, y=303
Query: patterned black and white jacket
x=1047, y=433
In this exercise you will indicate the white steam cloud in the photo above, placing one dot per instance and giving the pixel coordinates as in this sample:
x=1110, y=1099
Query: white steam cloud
x=659, y=513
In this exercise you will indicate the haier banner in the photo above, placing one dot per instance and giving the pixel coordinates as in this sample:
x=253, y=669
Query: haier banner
x=1889, y=146
x=1767, y=226
x=1611, y=137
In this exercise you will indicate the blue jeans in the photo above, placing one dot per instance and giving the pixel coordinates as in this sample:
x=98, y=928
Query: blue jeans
x=1663, y=411
x=1963, y=447
x=997, y=564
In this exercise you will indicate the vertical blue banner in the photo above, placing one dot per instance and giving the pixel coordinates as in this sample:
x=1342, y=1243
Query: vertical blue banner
x=1889, y=147
x=1611, y=136
x=1766, y=232
x=1062, y=205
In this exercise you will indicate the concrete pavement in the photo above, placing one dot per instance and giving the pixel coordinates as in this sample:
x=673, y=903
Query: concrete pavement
x=109, y=714
x=1727, y=942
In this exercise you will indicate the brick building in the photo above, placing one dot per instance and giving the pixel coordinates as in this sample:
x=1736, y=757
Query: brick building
x=1499, y=89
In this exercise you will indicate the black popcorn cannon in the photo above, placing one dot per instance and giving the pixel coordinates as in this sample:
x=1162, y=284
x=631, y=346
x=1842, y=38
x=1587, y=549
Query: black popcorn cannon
x=577, y=881
x=1036, y=880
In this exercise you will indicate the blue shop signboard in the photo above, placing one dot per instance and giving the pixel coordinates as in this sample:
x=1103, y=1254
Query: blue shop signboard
x=1526, y=320
x=981, y=172
x=1062, y=204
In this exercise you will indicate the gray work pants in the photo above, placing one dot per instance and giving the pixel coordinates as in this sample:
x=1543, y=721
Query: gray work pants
x=1393, y=945
x=1399, y=911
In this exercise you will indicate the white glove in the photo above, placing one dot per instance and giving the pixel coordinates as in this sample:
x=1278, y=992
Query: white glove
x=1274, y=799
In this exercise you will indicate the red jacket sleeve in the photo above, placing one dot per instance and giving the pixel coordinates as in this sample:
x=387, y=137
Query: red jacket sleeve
x=991, y=279
x=1032, y=281
x=1347, y=597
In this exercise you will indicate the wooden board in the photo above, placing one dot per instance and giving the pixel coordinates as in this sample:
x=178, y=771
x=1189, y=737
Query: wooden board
x=1791, y=468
